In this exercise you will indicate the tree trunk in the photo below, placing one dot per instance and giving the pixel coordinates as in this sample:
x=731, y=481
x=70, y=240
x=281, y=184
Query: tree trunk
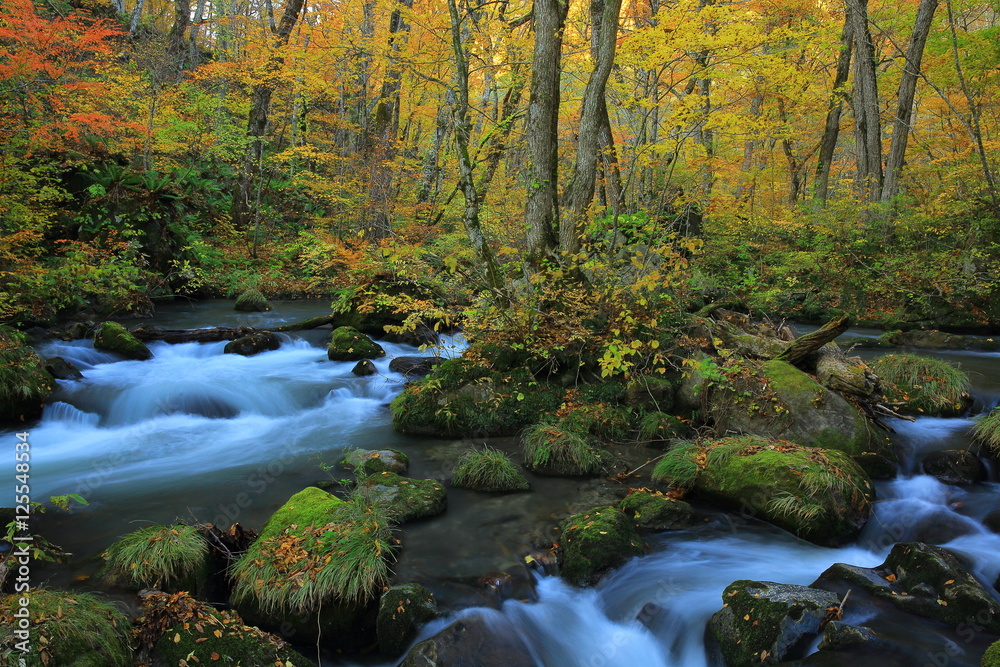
x=804, y=345
x=580, y=190
x=541, y=211
x=867, y=124
x=828, y=144
x=904, y=101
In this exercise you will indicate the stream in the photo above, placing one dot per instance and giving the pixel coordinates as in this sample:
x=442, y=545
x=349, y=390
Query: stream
x=197, y=435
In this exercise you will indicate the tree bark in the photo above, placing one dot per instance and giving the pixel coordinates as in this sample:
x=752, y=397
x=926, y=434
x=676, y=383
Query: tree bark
x=904, y=101
x=867, y=124
x=828, y=144
x=541, y=211
x=804, y=345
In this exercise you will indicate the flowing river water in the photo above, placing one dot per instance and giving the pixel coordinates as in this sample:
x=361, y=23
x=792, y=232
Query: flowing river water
x=195, y=434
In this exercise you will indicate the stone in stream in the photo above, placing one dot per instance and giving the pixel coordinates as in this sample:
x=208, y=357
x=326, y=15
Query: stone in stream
x=414, y=367
x=407, y=499
x=371, y=461
x=248, y=346
x=921, y=579
x=591, y=543
x=954, y=466
x=113, y=337
x=61, y=369
x=764, y=623
x=349, y=344
x=251, y=301
x=364, y=368
x=472, y=641
x=401, y=610
x=656, y=512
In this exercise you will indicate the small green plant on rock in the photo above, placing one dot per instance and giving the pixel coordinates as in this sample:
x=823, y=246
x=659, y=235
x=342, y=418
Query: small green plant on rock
x=551, y=447
x=986, y=430
x=488, y=469
x=679, y=467
x=922, y=385
x=156, y=556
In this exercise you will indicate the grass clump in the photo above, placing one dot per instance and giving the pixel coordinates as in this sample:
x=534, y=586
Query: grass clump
x=251, y=301
x=555, y=450
x=24, y=382
x=679, y=467
x=986, y=431
x=922, y=385
x=317, y=549
x=66, y=629
x=156, y=557
x=488, y=469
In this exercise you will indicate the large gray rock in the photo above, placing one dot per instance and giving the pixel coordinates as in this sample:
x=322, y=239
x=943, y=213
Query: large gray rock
x=764, y=623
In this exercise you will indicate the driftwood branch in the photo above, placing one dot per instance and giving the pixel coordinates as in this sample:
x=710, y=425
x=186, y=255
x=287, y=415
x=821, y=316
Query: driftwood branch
x=803, y=346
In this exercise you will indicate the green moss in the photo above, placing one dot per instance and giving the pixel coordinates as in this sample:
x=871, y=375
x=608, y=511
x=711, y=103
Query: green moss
x=464, y=398
x=315, y=550
x=922, y=385
x=403, y=498
x=992, y=656
x=161, y=557
x=488, y=469
x=655, y=511
x=986, y=431
x=349, y=344
x=369, y=462
x=679, y=466
x=252, y=301
x=113, y=337
x=24, y=382
x=556, y=449
x=68, y=629
x=593, y=542
x=401, y=610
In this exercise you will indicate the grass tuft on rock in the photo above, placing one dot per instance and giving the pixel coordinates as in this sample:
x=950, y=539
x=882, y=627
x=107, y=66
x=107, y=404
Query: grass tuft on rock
x=327, y=551
x=156, y=557
x=678, y=467
x=986, y=431
x=66, y=628
x=552, y=449
x=488, y=469
x=251, y=301
x=923, y=385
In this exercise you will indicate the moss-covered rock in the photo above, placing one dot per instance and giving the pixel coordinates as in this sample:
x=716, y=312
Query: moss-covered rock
x=774, y=399
x=252, y=301
x=113, y=337
x=371, y=461
x=820, y=495
x=349, y=344
x=65, y=628
x=591, y=543
x=762, y=622
x=24, y=382
x=655, y=511
x=248, y=346
x=406, y=499
x=650, y=392
x=923, y=385
x=316, y=554
x=202, y=635
x=364, y=368
x=992, y=656
x=462, y=397
x=402, y=609
x=557, y=450
x=924, y=580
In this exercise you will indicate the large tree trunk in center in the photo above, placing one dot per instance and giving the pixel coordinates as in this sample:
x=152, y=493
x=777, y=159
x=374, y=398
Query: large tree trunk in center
x=867, y=124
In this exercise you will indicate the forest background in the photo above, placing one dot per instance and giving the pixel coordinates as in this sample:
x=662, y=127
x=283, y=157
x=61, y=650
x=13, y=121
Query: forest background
x=566, y=172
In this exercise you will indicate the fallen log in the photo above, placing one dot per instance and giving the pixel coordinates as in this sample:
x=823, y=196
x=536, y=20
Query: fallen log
x=803, y=346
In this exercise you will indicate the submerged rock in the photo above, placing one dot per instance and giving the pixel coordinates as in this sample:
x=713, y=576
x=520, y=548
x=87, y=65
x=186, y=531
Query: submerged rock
x=402, y=610
x=414, y=367
x=591, y=543
x=113, y=337
x=764, y=623
x=407, y=499
x=777, y=400
x=954, y=466
x=820, y=495
x=472, y=641
x=252, y=301
x=248, y=346
x=924, y=580
x=349, y=344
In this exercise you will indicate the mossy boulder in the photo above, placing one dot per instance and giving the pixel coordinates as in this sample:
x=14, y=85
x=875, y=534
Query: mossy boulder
x=992, y=656
x=406, y=499
x=168, y=558
x=821, y=495
x=371, y=461
x=248, y=346
x=251, y=301
x=591, y=543
x=349, y=344
x=24, y=382
x=558, y=450
x=113, y=337
x=774, y=399
x=202, y=635
x=70, y=629
x=921, y=579
x=922, y=385
x=364, y=368
x=655, y=511
x=764, y=623
x=954, y=466
x=464, y=398
x=402, y=610
x=317, y=554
